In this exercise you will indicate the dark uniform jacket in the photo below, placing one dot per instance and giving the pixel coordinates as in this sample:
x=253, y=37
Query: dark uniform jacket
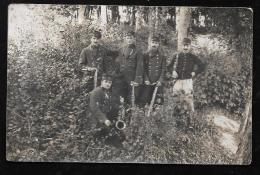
x=129, y=64
x=154, y=66
x=100, y=103
x=185, y=65
x=97, y=57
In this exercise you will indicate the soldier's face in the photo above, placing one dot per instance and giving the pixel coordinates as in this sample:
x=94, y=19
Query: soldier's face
x=186, y=47
x=106, y=84
x=95, y=41
x=155, y=44
x=129, y=40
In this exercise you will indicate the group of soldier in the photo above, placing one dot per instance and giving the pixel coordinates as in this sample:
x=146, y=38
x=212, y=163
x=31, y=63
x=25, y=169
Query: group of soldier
x=119, y=77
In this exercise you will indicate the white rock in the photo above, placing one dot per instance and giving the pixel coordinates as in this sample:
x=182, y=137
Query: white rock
x=226, y=123
x=229, y=142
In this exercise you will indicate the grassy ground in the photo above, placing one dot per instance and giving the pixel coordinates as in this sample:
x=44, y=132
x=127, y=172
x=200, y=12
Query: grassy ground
x=161, y=138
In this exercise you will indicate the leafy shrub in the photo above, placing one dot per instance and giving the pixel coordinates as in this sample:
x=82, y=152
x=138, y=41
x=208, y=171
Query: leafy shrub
x=225, y=89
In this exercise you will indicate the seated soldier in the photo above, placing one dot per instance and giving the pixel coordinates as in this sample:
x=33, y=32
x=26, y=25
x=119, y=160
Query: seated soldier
x=105, y=113
x=154, y=71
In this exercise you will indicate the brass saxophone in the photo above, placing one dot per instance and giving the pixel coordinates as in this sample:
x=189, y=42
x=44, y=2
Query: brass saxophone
x=120, y=124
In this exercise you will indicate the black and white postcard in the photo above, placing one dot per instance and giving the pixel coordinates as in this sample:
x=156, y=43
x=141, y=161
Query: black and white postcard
x=129, y=84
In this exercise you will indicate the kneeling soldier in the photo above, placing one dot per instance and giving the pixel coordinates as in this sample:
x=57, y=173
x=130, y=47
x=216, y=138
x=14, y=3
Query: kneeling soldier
x=154, y=71
x=105, y=113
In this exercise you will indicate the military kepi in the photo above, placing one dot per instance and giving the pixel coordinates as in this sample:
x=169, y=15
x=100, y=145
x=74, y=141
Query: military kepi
x=97, y=34
x=130, y=33
x=106, y=77
x=186, y=41
x=155, y=38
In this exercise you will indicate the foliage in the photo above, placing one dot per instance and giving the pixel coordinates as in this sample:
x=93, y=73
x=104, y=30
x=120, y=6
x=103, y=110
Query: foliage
x=47, y=106
x=216, y=88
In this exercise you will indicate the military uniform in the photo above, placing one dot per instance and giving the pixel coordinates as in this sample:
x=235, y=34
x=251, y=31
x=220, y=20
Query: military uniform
x=187, y=63
x=154, y=71
x=184, y=64
x=96, y=57
x=102, y=109
x=129, y=67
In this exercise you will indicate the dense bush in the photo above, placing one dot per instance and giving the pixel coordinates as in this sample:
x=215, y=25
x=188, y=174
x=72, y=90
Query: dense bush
x=47, y=107
x=216, y=89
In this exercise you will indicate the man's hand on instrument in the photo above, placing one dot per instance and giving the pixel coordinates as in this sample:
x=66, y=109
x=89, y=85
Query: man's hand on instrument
x=122, y=100
x=147, y=82
x=133, y=83
x=88, y=68
x=92, y=68
x=168, y=75
x=107, y=123
x=174, y=74
x=158, y=83
x=193, y=74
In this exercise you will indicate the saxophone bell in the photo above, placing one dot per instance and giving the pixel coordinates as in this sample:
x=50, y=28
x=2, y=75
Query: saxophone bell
x=120, y=125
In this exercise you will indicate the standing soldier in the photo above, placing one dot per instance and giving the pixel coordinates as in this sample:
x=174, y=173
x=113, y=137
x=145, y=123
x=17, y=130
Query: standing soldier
x=154, y=71
x=183, y=68
x=94, y=61
x=128, y=69
x=105, y=113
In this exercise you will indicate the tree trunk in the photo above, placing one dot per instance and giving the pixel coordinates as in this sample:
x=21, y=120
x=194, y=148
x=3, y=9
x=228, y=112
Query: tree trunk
x=156, y=19
x=128, y=15
x=151, y=23
x=98, y=11
x=81, y=14
x=115, y=13
x=87, y=11
x=133, y=19
x=103, y=16
x=122, y=14
x=244, y=153
x=138, y=21
x=183, y=20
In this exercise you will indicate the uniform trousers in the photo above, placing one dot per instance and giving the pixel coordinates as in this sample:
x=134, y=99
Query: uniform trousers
x=120, y=87
x=185, y=86
x=147, y=93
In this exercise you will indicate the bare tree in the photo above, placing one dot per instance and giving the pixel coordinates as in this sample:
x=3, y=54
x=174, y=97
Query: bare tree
x=103, y=16
x=81, y=14
x=138, y=16
x=183, y=21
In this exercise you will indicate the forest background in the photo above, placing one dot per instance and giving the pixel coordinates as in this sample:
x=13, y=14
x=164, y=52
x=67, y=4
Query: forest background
x=46, y=108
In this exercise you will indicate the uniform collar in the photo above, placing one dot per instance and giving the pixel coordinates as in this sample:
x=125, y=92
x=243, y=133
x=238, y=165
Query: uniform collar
x=154, y=51
x=185, y=53
x=104, y=89
x=94, y=47
x=131, y=46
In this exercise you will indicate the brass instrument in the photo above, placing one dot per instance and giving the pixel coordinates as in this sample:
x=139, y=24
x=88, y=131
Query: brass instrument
x=95, y=75
x=120, y=124
x=152, y=101
x=133, y=95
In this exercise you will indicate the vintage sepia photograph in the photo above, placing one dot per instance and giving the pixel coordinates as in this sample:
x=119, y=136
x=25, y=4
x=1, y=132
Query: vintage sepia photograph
x=129, y=84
